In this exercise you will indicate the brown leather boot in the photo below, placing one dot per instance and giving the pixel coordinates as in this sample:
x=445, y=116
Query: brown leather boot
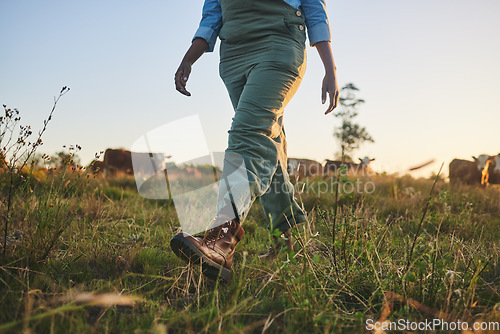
x=285, y=240
x=215, y=248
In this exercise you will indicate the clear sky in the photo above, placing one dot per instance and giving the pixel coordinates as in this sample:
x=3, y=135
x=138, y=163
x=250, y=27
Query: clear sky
x=428, y=70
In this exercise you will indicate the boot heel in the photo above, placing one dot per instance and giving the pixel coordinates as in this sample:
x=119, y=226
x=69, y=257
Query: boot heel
x=214, y=271
x=184, y=250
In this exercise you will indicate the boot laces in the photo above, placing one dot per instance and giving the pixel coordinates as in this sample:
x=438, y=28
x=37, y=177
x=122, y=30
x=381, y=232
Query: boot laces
x=218, y=232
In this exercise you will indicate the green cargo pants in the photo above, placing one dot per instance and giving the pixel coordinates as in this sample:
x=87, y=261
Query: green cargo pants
x=262, y=62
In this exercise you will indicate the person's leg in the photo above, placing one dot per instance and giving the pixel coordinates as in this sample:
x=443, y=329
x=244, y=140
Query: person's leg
x=280, y=206
x=257, y=137
x=283, y=212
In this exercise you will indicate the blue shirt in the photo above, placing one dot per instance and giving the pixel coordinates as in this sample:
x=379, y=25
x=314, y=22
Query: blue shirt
x=318, y=28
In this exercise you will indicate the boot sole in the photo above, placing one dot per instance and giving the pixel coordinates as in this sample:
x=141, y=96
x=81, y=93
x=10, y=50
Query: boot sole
x=189, y=253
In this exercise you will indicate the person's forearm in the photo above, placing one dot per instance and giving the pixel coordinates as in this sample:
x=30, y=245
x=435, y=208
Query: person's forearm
x=195, y=51
x=326, y=55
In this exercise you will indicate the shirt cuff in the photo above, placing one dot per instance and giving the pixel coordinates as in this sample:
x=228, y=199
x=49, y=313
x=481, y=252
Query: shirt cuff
x=208, y=34
x=319, y=33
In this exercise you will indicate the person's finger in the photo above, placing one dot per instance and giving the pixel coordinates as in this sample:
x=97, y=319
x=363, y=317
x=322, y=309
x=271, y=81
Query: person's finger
x=337, y=95
x=181, y=89
x=334, y=100
x=180, y=85
x=178, y=76
x=330, y=107
x=331, y=95
x=181, y=78
x=323, y=92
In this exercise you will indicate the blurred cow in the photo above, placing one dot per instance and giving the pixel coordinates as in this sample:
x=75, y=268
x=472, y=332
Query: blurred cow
x=363, y=168
x=464, y=171
x=96, y=167
x=365, y=165
x=120, y=160
x=303, y=168
x=489, y=167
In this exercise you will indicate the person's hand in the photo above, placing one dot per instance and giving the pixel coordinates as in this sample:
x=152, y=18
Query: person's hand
x=331, y=87
x=182, y=76
x=197, y=48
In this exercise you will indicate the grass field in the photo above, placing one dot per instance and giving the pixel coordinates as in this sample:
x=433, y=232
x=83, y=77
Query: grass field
x=89, y=255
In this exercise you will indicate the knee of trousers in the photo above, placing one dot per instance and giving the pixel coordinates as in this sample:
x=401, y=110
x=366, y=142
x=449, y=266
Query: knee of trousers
x=262, y=122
